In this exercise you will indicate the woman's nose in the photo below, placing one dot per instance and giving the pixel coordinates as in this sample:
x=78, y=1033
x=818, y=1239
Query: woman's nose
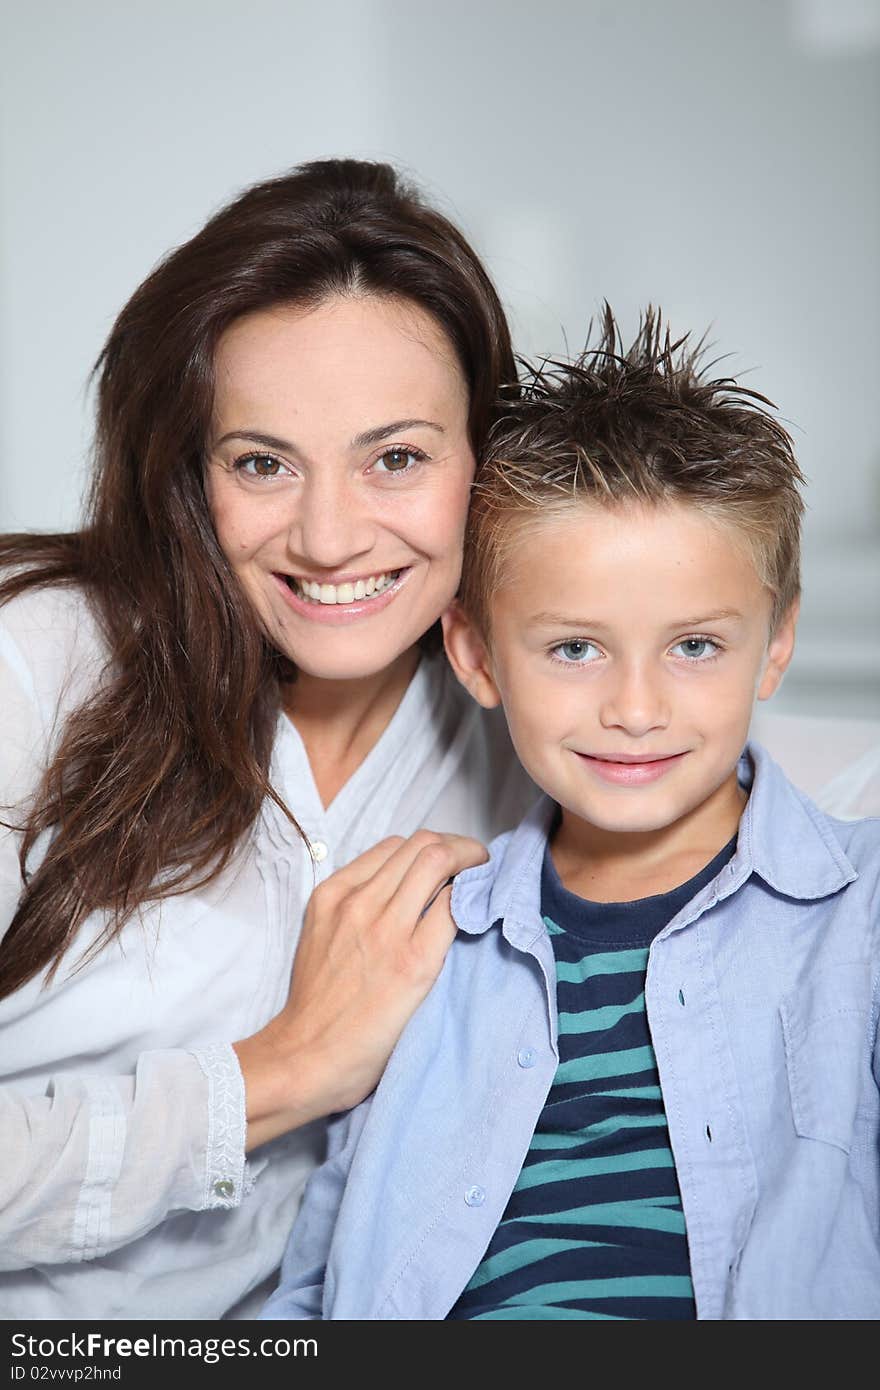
x=332, y=525
x=635, y=701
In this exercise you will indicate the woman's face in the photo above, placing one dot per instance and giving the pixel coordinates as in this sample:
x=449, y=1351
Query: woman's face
x=338, y=477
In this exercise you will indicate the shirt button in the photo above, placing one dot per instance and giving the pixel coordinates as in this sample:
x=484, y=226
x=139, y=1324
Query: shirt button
x=224, y=1188
x=475, y=1196
x=526, y=1057
x=319, y=850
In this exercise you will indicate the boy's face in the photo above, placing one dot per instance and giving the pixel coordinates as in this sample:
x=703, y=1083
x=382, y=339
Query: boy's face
x=628, y=646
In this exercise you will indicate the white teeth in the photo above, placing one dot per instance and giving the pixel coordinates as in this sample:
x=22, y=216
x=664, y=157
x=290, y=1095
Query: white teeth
x=345, y=593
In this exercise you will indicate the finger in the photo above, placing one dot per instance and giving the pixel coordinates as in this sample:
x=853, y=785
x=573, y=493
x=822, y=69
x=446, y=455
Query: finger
x=365, y=866
x=421, y=866
x=448, y=884
x=427, y=875
x=435, y=932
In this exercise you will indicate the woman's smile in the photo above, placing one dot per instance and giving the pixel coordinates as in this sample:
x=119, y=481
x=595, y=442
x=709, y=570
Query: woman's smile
x=340, y=477
x=347, y=600
x=344, y=589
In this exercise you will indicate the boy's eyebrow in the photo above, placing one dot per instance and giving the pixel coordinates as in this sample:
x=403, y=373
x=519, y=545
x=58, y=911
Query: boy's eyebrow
x=709, y=618
x=563, y=620
x=566, y=620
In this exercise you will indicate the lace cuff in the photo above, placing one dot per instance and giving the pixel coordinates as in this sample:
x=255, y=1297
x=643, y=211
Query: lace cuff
x=228, y=1177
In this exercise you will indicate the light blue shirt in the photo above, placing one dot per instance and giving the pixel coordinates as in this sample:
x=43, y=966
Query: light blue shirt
x=762, y=1000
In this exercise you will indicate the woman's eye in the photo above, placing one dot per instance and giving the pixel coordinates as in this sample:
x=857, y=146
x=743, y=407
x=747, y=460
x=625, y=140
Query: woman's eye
x=696, y=648
x=259, y=466
x=576, y=652
x=398, y=460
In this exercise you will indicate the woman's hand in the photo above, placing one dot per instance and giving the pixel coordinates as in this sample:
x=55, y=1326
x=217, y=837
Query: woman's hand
x=368, y=954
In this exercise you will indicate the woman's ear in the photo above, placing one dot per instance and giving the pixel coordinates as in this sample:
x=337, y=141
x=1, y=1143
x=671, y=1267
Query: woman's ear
x=469, y=656
x=779, y=652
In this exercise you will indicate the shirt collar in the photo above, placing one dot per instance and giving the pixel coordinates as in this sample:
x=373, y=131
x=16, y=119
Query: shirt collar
x=783, y=837
x=508, y=887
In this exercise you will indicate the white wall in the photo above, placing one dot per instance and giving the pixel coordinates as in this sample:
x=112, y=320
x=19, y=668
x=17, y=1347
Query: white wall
x=723, y=161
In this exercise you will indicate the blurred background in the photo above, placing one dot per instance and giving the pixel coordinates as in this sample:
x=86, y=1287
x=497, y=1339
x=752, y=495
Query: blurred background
x=721, y=161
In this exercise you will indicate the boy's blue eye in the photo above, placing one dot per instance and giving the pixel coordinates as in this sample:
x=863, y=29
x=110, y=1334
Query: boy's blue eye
x=696, y=648
x=575, y=652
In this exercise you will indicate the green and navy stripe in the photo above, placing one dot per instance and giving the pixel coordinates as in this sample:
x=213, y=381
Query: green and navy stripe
x=594, y=1227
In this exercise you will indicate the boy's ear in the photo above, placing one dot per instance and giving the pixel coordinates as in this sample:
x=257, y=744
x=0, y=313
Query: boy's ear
x=779, y=652
x=469, y=656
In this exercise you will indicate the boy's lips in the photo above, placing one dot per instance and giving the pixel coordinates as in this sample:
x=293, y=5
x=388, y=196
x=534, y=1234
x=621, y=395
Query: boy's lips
x=631, y=769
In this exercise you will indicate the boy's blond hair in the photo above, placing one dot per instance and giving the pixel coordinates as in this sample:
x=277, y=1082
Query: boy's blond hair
x=642, y=425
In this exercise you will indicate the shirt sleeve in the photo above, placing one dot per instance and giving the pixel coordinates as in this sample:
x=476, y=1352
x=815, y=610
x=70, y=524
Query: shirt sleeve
x=301, y=1292
x=94, y=1163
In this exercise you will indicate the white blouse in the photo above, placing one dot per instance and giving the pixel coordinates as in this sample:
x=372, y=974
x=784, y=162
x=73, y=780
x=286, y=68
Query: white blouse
x=124, y=1191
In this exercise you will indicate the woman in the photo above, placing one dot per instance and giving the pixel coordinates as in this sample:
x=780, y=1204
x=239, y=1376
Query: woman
x=222, y=689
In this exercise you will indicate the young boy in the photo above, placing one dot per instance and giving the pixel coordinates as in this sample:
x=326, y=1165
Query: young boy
x=642, y=1086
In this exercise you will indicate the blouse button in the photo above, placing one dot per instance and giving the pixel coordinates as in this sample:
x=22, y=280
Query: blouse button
x=526, y=1057
x=224, y=1188
x=319, y=850
x=475, y=1196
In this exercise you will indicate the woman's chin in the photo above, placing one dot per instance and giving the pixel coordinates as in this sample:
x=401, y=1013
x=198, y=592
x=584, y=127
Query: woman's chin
x=355, y=642
x=351, y=657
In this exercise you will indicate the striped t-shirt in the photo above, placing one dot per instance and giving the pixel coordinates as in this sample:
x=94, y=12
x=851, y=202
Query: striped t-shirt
x=594, y=1227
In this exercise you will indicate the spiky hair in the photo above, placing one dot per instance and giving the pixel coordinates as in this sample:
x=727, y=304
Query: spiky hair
x=646, y=424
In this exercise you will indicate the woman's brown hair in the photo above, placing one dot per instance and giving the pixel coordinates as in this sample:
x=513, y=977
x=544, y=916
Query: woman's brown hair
x=161, y=773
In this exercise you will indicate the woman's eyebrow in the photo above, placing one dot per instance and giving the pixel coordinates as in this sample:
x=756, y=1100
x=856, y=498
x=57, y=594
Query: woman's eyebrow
x=360, y=441
x=255, y=437
x=363, y=441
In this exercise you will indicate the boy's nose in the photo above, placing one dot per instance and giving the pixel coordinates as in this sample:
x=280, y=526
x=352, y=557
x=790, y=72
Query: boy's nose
x=634, y=703
x=331, y=526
